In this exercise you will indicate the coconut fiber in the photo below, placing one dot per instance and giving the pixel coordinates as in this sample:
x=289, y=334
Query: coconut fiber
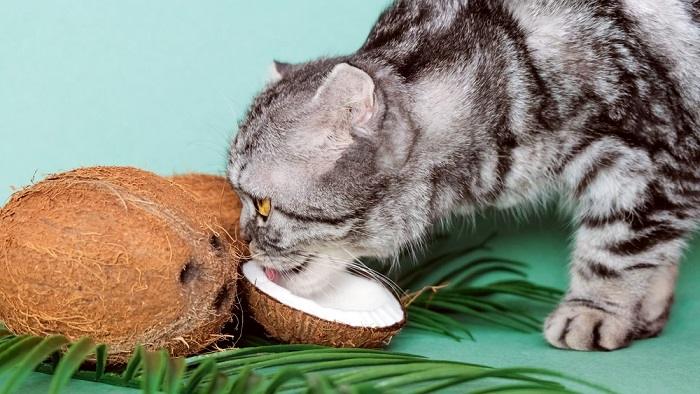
x=215, y=194
x=118, y=254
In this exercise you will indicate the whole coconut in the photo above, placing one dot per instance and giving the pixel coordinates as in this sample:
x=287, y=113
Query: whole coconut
x=215, y=194
x=118, y=254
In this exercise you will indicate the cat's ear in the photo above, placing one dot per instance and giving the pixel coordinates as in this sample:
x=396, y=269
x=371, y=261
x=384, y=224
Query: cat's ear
x=279, y=70
x=348, y=92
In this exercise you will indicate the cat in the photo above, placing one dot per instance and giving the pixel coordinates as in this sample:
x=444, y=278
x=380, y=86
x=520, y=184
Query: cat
x=452, y=106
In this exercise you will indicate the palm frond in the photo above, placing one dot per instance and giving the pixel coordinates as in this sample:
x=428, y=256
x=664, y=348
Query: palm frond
x=268, y=369
x=437, y=256
x=70, y=362
x=463, y=289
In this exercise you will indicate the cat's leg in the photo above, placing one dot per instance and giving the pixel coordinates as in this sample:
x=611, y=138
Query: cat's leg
x=624, y=263
x=612, y=301
x=653, y=311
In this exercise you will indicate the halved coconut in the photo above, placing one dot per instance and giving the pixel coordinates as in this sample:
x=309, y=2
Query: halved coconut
x=357, y=312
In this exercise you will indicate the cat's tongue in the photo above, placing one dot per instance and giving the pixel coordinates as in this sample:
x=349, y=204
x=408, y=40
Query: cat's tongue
x=272, y=274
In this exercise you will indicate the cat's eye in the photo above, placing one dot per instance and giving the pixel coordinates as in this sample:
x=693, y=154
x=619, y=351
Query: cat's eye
x=263, y=206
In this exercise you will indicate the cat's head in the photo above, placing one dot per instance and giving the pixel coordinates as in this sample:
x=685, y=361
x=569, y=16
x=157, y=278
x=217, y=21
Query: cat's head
x=312, y=162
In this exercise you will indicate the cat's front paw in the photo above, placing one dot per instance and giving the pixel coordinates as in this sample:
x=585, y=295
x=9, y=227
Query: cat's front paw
x=585, y=327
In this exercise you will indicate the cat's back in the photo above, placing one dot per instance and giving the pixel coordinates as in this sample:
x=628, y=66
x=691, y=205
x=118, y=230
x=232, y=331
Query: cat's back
x=674, y=28
x=589, y=40
x=576, y=45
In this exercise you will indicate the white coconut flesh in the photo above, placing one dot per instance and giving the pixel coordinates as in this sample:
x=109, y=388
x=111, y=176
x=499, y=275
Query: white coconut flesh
x=351, y=300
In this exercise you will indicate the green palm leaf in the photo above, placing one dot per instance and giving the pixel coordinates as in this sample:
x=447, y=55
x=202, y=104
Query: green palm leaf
x=14, y=348
x=34, y=352
x=463, y=290
x=174, y=373
x=70, y=363
x=271, y=369
x=154, y=368
x=245, y=382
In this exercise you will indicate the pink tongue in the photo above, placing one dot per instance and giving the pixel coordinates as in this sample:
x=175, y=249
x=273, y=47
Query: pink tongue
x=271, y=273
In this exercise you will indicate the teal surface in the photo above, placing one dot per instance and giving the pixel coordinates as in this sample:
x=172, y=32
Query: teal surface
x=160, y=85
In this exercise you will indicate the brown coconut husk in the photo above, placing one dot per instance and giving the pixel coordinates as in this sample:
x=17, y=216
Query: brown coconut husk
x=215, y=194
x=290, y=325
x=118, y=254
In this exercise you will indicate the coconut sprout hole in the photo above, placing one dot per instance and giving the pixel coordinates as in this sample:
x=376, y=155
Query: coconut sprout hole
x=222, y=296
x=190, y=271
x=215, y=243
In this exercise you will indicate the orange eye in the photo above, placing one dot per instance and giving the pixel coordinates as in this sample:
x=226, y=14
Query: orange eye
x=263, y=206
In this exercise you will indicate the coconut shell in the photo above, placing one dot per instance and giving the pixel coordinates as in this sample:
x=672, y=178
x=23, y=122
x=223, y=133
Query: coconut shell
x=215, y=194
x=118, y=254
x=291, y=325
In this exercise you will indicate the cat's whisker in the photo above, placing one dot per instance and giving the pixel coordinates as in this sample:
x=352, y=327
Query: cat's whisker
x=374, y=274
x=309, y=269
x=358, y=268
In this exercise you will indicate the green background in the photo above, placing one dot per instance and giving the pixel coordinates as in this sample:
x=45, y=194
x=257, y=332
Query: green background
x=160, y=85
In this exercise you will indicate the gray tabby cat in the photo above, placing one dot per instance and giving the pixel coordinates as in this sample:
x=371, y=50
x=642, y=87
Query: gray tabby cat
x=451, y=106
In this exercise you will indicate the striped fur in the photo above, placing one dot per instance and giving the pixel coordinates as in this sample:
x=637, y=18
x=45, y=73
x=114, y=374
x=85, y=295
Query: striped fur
x=455, y=105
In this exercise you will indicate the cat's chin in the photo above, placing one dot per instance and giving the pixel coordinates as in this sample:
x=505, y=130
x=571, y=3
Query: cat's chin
x=313, y=280
x=306, y=289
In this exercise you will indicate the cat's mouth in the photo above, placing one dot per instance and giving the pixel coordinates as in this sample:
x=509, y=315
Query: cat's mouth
x=301, y=273
x=275, y=273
